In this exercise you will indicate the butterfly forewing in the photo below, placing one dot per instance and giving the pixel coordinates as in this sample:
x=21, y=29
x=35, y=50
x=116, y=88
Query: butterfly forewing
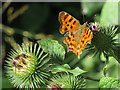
x=68, y=22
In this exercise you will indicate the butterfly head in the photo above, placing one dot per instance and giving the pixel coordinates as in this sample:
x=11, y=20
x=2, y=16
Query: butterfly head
x=94, y=27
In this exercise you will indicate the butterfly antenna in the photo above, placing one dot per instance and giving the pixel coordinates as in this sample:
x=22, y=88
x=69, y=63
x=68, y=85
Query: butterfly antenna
x=83, y=18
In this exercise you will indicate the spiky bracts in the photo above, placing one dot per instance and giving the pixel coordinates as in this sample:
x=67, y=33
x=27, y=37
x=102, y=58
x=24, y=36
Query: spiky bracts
x=27, y=66
x=66, y=80
x=104, y=40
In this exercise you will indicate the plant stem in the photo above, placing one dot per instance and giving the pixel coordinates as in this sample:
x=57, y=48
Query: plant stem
x=93, y=79
x=6, y=4
x=105, y=67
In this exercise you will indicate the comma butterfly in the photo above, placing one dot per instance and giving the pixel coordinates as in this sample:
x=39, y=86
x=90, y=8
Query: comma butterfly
x=76, y=35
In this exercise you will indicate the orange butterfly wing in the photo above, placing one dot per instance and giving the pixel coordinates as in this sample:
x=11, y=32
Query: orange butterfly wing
x=68, y=23
x=77, y=35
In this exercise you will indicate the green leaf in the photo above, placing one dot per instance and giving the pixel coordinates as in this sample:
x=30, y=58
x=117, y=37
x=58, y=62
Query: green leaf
x=66, y=68
x=109, y=82
x=53, y=48
x=109, y=14
x=119, y=12
x=89, y=8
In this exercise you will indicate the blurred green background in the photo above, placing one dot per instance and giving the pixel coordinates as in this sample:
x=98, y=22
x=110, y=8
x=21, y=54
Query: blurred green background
x=32, y=21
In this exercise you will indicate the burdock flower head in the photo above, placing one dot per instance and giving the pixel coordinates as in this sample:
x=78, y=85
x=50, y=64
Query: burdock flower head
x=66, y=80
x=27, y=66
x=104, y=40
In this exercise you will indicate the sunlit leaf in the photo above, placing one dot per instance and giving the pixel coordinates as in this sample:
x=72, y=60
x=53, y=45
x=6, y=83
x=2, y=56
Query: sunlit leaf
x=89, y=8
x=109, y=14
x=66, y=68
x=53, y=47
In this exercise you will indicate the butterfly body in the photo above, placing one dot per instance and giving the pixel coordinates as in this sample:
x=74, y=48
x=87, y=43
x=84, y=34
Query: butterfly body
x=76, y=35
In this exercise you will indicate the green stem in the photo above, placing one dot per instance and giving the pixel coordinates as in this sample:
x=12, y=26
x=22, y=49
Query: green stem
x=93, y=79
x=106, y=63
x=6, y=4
x=10, y=31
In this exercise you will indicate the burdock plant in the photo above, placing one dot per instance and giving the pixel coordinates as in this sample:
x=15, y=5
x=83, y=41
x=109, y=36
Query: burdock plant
x=104, y=42
x=66, y=80
x=27, y=66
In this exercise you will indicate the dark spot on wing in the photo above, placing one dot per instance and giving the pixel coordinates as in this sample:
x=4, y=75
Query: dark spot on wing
x=69, y=38
x=85, y=30
x=73, y=39
x=71, y=27
x=83, y=35
x=74, y=22
x=82, y=41
x=72, y=34
x=71, y=44
x=66, y=16
x=71, y=19
x=71, y=48
x=89, y=35
x=65, y=29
